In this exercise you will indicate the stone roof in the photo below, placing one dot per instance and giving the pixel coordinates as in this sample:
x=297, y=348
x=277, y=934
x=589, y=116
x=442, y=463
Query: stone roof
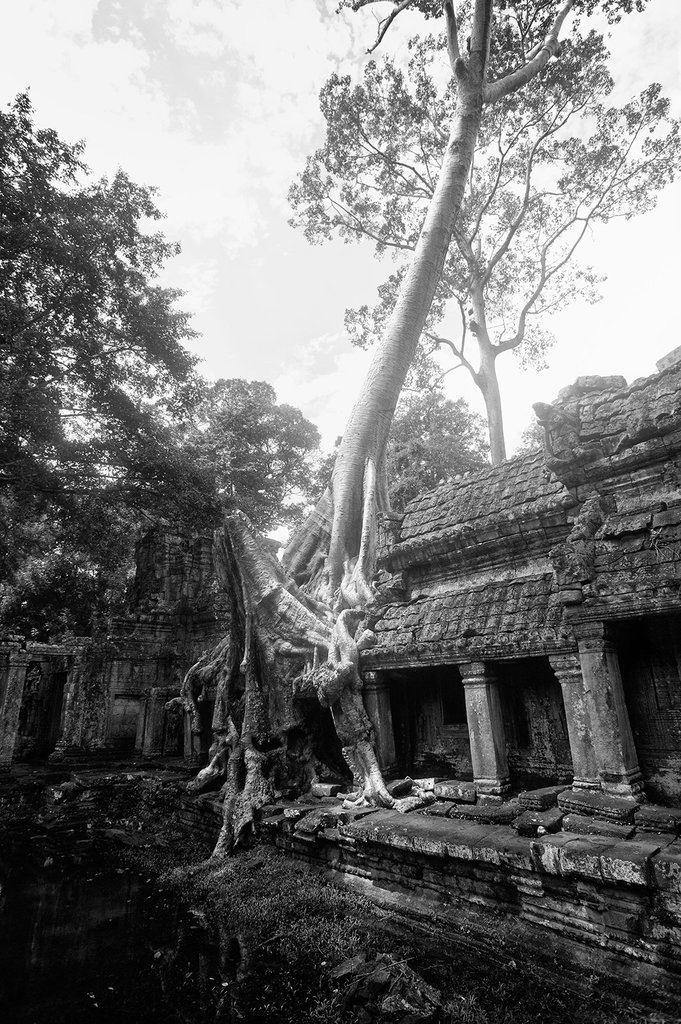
x=480, y=508
x=601, y=427
x=488, y=618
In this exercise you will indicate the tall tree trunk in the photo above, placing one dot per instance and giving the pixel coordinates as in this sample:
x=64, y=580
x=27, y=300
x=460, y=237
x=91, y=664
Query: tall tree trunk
x=367, y=429
x=486, y=379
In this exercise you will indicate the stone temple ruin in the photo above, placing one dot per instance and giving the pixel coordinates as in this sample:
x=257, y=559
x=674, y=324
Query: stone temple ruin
x=528, y=663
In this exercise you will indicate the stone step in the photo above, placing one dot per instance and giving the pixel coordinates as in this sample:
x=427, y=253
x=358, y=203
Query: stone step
x=538, y=823
x=488, y=814
x=655, y=818
x=540, y=799
x=598, y=805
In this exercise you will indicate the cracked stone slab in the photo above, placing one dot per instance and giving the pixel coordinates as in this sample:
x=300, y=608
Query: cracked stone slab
x=459, y=792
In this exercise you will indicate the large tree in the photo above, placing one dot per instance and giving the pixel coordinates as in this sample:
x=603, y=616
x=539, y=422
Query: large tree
x=94, y=373
x=258, y=452
x=550, y=164
x=92, y=348
x=312, y=608
x=432, y=439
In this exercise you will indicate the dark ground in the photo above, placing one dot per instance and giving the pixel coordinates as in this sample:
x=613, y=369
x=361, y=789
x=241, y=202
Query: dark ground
x=257, y=937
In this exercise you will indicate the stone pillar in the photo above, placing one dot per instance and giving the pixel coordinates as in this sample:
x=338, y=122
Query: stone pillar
x=611, y=736
x=377, y=704
x=11, y=704
x=70, y=740
x=568, y=671
x=485, y=729
x=152, y=744
x=192, y=742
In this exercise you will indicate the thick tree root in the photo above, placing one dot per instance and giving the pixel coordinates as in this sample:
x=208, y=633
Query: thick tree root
x=273, y=619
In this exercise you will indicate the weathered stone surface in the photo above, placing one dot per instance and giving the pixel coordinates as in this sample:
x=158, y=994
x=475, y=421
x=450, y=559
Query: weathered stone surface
x=588, y=826
x=400, y=787
x=628, y=863
x=492, y=814
x=580, y=857
x=653, y=818
x=315, y=821
x=321, y=789
x=667, y=869
x=460, y=792
x=532, y=823
x=599, y=805
x=440, y=809
x=426, y=784
x=413, y=803
x=540, y=799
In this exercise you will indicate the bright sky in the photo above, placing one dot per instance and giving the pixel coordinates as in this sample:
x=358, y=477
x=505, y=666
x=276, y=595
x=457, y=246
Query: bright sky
x=215, y=103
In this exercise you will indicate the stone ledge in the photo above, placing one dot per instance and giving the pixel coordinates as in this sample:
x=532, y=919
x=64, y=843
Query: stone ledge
x=586, y=825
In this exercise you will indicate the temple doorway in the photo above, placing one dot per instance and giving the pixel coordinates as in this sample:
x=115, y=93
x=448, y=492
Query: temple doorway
x=649, y=653
x=537, y=742
x=428, y=709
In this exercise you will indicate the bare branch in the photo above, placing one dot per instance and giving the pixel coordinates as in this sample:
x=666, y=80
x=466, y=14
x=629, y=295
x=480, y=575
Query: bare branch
x=517, y=79
x=386, y=22
x=458, y=353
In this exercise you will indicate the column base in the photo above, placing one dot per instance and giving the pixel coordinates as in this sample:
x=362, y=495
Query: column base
x=492, y=787
x=586, y=785
x=631, y=785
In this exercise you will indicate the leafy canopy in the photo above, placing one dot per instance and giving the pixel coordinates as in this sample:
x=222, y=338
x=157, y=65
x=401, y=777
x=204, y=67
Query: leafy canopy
x=432, y=439
x=92, y=348
x=257, y=452
x=551, y=162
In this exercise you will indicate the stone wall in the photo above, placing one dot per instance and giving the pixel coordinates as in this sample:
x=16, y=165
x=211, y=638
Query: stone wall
x=107, y=695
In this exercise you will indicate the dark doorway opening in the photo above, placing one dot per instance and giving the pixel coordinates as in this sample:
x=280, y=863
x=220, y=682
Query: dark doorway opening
x=537, y=742
x=649, y=653
x=428, y=709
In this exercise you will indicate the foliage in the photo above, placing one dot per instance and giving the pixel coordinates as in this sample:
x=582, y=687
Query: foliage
x=551, y=163
x=93, y=360
x=258, y=452
x=531, y=439
x=94, y=373
x=99, y=393
x=432, y=439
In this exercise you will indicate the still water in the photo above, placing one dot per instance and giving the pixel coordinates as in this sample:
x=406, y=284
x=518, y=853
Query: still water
x=81, y=945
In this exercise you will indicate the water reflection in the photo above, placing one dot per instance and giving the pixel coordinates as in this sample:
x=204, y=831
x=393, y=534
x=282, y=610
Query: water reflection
x=81, y=947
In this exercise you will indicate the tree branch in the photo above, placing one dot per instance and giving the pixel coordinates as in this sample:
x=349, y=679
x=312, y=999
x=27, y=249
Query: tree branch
x=517, y=79
x=386, y=22
x=452, y=38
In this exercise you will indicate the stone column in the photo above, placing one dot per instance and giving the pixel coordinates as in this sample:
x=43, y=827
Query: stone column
x=70, y=740
x=192, y=742
x=152, y=745
x=377, y=704
x=485, y=729
x=11, y=704
x=611, y=736
x=568, y=671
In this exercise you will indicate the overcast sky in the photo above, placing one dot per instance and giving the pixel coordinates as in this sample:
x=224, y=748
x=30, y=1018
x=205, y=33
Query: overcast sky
x=215, y=103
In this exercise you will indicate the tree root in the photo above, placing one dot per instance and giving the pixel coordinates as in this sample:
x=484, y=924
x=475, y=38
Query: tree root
x=272, y=618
